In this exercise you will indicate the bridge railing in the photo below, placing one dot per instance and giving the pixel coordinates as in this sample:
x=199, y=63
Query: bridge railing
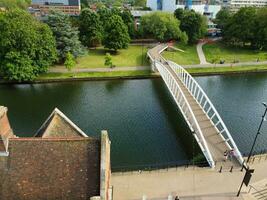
x=185, y=109
x=204, y=102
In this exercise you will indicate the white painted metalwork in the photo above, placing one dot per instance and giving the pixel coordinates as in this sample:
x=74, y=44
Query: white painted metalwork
x=170, y=73
x=204, y=102
x=185, y=109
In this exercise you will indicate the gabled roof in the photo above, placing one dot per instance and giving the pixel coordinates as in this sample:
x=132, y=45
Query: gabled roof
x=59, y=125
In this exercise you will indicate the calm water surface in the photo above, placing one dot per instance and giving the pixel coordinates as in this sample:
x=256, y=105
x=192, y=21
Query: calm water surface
x=143, y=121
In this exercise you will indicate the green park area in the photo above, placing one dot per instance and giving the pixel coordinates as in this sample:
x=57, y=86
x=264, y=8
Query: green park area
x=219, y=51
x=188, y=57
x=131, y=57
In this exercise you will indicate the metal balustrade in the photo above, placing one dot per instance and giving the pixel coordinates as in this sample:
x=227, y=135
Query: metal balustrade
x=206, y=105
x=185, y=108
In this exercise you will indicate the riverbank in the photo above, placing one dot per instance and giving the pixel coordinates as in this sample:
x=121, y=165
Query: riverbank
x=138, y=74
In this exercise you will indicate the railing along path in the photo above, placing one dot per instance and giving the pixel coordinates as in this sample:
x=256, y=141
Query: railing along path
x=200, y=114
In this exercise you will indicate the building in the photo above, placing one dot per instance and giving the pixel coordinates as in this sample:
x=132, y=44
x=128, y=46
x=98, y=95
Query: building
x=235, y=5
x=200, y=6
x=43, y=7
x=59, y=162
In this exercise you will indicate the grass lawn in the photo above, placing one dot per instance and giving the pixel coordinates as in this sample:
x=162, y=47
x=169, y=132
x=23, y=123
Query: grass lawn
x=207, y=70
x=229, y=54
x=94, y=74
x=189, y=57
x=133, y=56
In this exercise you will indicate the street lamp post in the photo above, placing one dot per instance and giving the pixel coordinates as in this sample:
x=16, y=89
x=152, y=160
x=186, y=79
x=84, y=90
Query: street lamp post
x=248, y=173
x=258, y=132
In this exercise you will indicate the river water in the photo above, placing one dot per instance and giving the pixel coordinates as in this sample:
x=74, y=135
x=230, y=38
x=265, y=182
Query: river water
x=144, y=124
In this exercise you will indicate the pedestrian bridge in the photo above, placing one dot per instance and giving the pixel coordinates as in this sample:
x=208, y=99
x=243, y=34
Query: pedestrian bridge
x=198, y=111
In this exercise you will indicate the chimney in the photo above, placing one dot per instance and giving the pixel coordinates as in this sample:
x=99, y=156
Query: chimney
x=5, y=131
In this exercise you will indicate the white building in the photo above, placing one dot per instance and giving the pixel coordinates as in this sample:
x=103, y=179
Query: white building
x=235, y=5
x=171, y=5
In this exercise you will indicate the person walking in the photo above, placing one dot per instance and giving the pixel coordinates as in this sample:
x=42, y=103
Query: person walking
x=225, y=154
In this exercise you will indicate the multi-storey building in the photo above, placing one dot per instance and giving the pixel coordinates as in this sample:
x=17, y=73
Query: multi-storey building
x=235, y=5
x=200, y=6
x=43, y=7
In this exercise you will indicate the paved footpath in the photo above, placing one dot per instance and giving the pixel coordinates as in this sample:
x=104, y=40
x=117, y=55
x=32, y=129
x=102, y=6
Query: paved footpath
x=62, y=69
x=189, y=183
x=201, y=54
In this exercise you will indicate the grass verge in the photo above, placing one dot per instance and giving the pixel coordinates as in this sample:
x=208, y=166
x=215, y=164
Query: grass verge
x=70, y=75
x=229, y=54
x=224, y=70
x=188, y=57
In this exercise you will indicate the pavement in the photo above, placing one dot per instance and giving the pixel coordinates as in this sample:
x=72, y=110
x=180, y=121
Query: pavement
x=201, y=54
x=62, y=69
x=189, y=183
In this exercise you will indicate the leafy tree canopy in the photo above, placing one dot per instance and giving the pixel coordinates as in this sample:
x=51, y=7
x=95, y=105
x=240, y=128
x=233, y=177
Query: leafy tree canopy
x=222, y=18
x=27, y=46
x=194, y=24
x=67, y=37
x=91, y=30
x=116, y=36
x=11, y=4
x=161, y=26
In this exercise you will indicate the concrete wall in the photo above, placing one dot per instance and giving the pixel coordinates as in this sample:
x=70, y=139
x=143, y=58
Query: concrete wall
x=105, y=167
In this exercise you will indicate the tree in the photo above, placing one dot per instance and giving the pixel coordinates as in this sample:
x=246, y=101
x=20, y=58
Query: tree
x=108, y=60
x=194, y=24
x=116, y=34
x=161, y=26
x=222, y=17
x=11, y=4
x=69, y=61
x=27, y=46
x=91, y=30
x=260, y=40
x=128, y=20
x=240, y=28
x=140, y=3
x=67, y=37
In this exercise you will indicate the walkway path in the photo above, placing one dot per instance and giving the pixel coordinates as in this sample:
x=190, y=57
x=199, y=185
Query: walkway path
x=62, y=69
x=201, y=54
x=189, y=184
x=203, y=127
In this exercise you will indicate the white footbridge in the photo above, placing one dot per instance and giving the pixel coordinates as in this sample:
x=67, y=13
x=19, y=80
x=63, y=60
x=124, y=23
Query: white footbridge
x=198, y=111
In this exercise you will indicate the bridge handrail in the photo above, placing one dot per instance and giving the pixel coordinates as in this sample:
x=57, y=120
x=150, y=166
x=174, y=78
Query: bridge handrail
x=202, y=140
x=197, y=92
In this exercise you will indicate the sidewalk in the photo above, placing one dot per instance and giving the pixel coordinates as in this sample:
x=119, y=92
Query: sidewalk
x=62, y=69
x=198, y=184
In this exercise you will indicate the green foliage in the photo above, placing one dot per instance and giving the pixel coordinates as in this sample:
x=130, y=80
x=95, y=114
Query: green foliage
x=67, y=37
x=108, y=60
x=128, y=20
x=161, y=26
x=116, y=34
x=240, y=27
x=222, y=18
x=69, y=61
x=27, y=46
x=194, y=24
x=11, y=4
x=91, y=30
x=140, y=3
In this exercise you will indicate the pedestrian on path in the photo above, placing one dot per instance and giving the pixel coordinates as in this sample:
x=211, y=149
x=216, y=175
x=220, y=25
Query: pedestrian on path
x=225, y=154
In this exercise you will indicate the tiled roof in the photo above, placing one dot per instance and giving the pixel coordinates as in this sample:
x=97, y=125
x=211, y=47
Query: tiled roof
x=51, y=168
x=59, y=125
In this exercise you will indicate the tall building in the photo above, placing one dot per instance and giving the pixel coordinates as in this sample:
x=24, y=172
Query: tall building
x=235, y=5
x=200, y=6
x=43, y=7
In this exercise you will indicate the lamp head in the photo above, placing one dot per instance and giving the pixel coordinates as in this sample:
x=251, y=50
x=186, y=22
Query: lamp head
x=265, y=105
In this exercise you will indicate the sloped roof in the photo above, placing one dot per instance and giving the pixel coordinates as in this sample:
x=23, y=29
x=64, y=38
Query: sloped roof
x=59, y=125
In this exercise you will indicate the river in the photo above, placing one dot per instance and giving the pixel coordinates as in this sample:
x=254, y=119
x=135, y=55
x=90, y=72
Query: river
x=144, y=124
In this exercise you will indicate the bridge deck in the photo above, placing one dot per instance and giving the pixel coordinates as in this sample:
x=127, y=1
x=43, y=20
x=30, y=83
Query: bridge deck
x=215, y=142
